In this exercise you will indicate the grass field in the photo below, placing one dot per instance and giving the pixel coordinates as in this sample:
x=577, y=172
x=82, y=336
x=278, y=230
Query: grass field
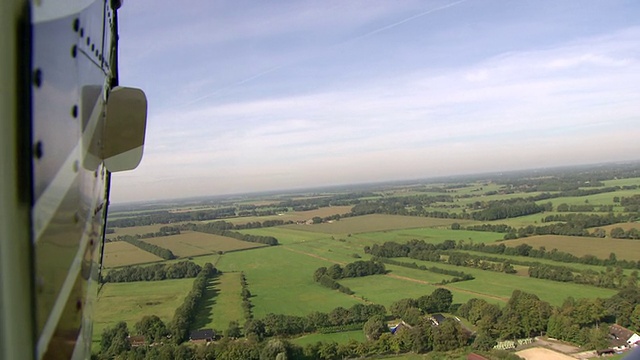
x=427, y=234
x=281, y=281
x=192, y=243
x=580, y=246
x=625, y=226
x=545, y=261
x=287, y=235
x=295, y=215
x=120, y=253
x=375, y=222
x=340, y=338
x=501, y=285
x=131, y=301
x=221, y=303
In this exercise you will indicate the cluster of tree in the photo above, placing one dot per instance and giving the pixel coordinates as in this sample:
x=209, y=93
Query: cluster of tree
x=583, y=208
x=573, y=224
x=499, y=228
x=154, y=249
x=286, y=325
x=580, y=321
x=410, y=249
x=223, y=228
x=164, y=231
x=631, y=204
x=180, y=270
x=401, y=205
x=349, y=198
x=355, y=269
x=258, y=224
x=413, y=310
x=167, y=217
x=620, y=233
x=246, y=298
x=186, y=312
x=328, y=282
x=466, y=259
x=457, y=275
x=526, y=250
x=327, y=276
x=587, y=221
x=510, y=208
x=265, y=210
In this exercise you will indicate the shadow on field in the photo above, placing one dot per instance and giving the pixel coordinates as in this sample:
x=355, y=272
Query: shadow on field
x=204, y=316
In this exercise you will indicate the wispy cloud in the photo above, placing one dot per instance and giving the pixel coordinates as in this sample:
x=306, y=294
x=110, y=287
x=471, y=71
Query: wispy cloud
x=324, y=120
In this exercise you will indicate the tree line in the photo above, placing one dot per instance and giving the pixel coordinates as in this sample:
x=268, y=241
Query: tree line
x=223, y=228
x=167, y=217
x=185, y=313
x=246, y=297
x=457, y=275
x=327, y=276
x=287, y=325
x=179, y=270
x=154, y=249
x=526, y=250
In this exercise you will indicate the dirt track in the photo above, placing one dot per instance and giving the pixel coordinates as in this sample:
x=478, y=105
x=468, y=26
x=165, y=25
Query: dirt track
x=538, y=353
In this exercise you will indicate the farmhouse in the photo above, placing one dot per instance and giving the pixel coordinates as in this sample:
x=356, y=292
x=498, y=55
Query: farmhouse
x=437, y=319
x=202, y=335
x=622, y=336
x=398, y=326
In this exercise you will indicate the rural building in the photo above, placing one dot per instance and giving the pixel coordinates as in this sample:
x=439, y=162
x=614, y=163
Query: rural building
x=622, y=336
x=437, y=319
x=398, y=326
x=136, y=341
x=202, y=335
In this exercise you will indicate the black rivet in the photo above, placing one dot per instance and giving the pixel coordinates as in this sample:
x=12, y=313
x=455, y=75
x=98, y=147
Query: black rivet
x=76, y=218
x=37, y=77
x=76, y=24
x=91, y=242
x=81, y=32
x=88, y=40
x=74, y=111
x=93, y=47
x=38, y=151
x=79, y=304
x=74, y=51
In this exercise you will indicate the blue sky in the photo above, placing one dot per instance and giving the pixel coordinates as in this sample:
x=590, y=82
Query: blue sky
x=265, y=95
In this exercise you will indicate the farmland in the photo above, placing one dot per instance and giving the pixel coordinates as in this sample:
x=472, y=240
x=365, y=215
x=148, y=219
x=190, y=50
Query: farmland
x=580, y=246
x=121, y=253
x=131, y=301
x=190, y=243
x=280, y=278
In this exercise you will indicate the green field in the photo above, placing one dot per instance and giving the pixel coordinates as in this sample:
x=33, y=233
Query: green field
x=121, y=253
x=281, y=281
x=286, y=235
x=500, y=285
x=428, y=235
x=374, y=223
x=129, y=302
x=580, y=246
x=544, y=261
x=192, y=243
x=221, y=303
